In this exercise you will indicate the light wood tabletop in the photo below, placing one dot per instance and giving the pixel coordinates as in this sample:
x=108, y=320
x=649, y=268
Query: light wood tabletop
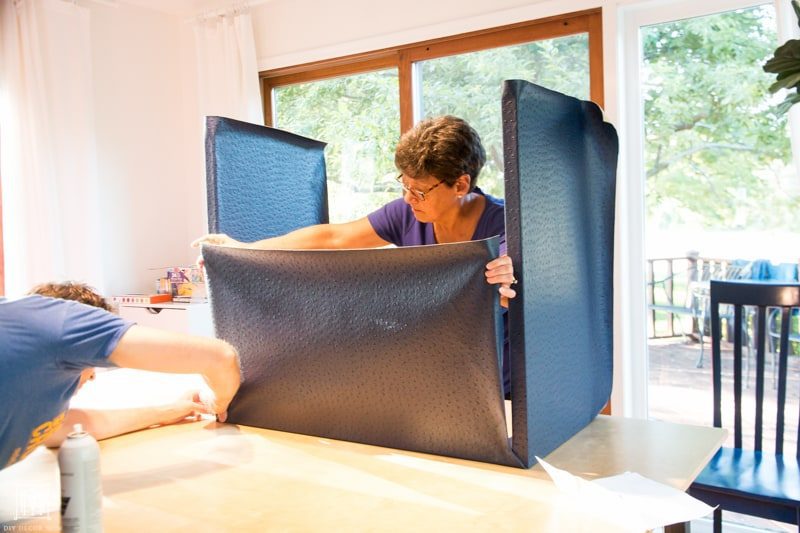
x=205, y=476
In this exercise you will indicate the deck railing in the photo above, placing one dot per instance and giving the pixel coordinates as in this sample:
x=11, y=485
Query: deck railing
x=669, y=283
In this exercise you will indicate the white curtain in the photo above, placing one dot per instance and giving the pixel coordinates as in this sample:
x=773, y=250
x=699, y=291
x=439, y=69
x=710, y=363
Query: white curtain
x=227, y=69
x=47, y=142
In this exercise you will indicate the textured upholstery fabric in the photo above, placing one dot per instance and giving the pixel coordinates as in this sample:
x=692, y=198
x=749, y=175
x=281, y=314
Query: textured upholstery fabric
x=395, y=347
x=262, y=182
x=399, y=347
x=560, y=172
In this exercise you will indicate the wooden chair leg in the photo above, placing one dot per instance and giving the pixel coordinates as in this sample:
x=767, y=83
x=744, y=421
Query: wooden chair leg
x=717, y=520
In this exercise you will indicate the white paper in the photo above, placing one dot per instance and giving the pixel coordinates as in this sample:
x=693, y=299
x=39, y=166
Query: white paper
x=630, y=499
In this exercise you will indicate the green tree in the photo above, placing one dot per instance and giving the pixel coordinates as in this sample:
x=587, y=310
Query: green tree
x=470, y=86
x=715, y=146
x=358, y=115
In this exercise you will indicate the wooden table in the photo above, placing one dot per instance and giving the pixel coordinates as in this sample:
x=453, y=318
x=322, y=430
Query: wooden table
x=205, y=476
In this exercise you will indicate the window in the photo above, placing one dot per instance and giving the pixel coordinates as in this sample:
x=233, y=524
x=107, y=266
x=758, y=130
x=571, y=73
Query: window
x=359, y=117
x=359, y=105
x=722, y=194
x=469, y=85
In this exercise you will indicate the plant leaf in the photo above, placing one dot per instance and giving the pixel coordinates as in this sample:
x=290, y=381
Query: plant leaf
x=786, y=82
x=784, y=106
x=796, y=6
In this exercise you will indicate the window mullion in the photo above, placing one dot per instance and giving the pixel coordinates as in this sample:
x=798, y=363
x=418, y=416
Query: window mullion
x=406, y=82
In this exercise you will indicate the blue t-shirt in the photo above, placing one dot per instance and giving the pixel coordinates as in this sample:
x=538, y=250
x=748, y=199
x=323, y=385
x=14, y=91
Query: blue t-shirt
x=45, y=343
x=395, y=223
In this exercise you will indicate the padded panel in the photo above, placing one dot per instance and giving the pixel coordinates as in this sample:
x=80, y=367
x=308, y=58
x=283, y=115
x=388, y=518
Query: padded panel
x=262, y=182
x=396, y=347
x=560, y=172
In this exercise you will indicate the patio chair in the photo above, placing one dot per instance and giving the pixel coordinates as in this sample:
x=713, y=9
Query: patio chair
x=752, y=481
x=696, y=300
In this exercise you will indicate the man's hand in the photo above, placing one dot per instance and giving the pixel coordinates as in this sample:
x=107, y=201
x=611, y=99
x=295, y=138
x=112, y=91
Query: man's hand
x=224, y=380
x=164, y=351
x=188, y=405
x=500, y=271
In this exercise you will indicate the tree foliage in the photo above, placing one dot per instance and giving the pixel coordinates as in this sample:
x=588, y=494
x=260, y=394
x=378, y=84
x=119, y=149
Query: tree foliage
x=786, y=64
x=717, y=153
x=470, y=86
x=358, y=115
x=715, y=148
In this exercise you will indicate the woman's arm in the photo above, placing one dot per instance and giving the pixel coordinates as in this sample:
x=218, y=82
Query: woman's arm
x=356, y=234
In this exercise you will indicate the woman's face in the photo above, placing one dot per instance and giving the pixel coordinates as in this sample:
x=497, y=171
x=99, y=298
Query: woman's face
x=428, y=196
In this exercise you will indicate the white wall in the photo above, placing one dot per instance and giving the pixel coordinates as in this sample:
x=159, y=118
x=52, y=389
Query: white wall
x=149, y=148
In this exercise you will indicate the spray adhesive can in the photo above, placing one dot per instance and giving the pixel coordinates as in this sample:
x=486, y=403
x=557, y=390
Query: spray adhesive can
x=81, y=488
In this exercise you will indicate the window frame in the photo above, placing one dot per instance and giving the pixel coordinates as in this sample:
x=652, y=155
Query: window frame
x=2, y=255
x=631, y=365
x=403, y=57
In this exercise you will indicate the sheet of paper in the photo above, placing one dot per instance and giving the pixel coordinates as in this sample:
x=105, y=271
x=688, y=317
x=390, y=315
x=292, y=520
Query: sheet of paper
x=637, y=503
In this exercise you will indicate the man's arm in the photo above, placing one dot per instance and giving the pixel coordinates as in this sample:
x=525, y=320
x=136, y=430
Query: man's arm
x=106, y=423
x=164, y=351
x=356, y=234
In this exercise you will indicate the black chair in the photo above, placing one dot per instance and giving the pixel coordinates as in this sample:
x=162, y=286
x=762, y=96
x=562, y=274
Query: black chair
x=743, y=480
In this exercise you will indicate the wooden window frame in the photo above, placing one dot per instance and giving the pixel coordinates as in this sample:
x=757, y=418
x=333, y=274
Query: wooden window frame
x=403, y=57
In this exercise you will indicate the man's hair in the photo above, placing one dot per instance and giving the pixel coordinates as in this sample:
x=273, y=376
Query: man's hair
x=71, y=290
x=444, y=147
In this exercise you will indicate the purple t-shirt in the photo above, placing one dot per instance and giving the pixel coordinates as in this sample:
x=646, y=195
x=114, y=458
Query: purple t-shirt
x=395, y=222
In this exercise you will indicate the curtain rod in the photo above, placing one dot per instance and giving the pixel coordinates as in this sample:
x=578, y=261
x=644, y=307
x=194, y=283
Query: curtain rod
x=108, y=3
x=222, y=11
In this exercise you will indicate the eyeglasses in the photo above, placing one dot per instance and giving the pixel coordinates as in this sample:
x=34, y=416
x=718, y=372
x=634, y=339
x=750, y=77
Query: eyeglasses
x=416, y=193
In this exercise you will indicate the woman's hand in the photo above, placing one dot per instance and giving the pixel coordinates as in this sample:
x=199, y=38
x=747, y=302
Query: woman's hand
x=216, y=238
x=500, y=271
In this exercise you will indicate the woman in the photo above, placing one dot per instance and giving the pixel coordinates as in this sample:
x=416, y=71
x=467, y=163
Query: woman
x=439, y=159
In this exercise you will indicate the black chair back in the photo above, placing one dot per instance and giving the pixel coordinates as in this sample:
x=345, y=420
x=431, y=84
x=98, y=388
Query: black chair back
x=760, y=296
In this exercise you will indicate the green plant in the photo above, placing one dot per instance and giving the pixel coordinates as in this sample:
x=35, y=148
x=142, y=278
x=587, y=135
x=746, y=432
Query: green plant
x=786, y=64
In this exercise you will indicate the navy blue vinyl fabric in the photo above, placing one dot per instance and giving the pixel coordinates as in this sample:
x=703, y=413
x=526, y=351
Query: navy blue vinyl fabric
x=371, y=345
x=396, y=347
x=560, y=179
x=262, y=182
